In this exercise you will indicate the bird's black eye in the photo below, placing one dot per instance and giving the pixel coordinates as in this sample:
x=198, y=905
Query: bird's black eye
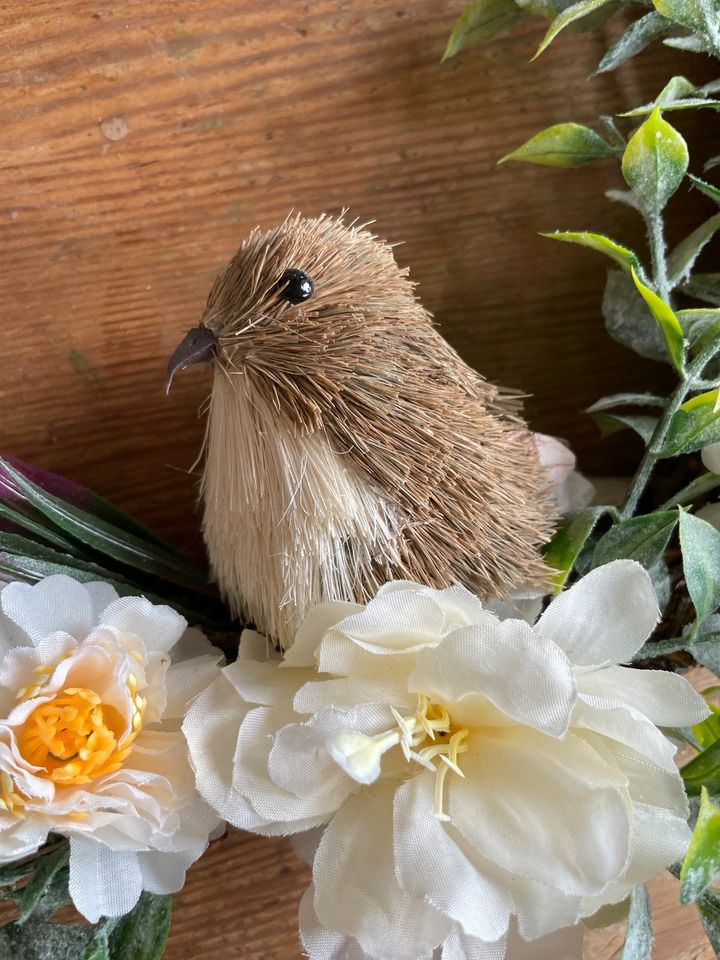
x=295, y=286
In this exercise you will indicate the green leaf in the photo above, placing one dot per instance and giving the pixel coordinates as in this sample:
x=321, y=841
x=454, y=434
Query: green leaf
x=696, y=488
x=685, y=12
x=639, y=936
x=703, y=770
x=641, y=538
x=655, y=162
x=682, y=258
x=142, y=934
x=701, y=327
x=101, y=536
x=700, y=545
x=695, y=425
x=562, y=145
x=627, y=319
x=709, y=189
x=40, y=941
x=702, y=860
x=705, y=643
x=704, y=286
x=610, y=423
x=638, y=35
x=711, y=163
x=627, y=400
x=709, y=909
x=667, y=321
x=568, y=541
x=568, y=16
x=45, y=868
x=479, y=22
x=596, y=241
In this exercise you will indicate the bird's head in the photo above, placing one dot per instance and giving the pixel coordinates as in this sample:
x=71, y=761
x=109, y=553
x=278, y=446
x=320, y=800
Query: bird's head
x=310, y=295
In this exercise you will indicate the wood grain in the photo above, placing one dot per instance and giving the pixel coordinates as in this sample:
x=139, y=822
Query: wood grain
x=142, y=139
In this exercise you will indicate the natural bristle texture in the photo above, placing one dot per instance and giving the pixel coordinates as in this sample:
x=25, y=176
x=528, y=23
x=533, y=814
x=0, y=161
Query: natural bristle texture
x=348, y=444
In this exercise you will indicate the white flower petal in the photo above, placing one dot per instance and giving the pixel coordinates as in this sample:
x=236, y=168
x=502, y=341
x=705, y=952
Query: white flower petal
x=553, y=811
x=254, y=646
x=462, y=946
x=101, y=596
x=710, y=456
x=528, y=678
x=317, y=941
x=165, y=872
x=356, y=890
x=103, y=882
x=665, y=698
x=434, y=863
x=186, y=679
x=605, y=617
x=315, y=624
x=55, y=604
x=264, y=683
x=159, y=627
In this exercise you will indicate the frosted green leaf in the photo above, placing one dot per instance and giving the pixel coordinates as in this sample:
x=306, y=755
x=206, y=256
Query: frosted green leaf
x=705, y=646
x=695, y=425
x=694, y=43
x=568, y=541
x=610, y=423
x=682, y=258
x=704, y=286
x=702, y=861
x=627, y=318
x=568, y=16
x=685, y=12
x=562, y=145
x=626, y=197
x=638, y=35
x=596, y=241
x=655, y=162
x=709, y=909
x=626, y=400
x=696, y=488
x=640, y=538
x=142, y=934
x=700, y=326
x=479, y=22
x=711, y=163
x=667, y=321
x=639, y=936
x=709, y=189
x=700, y=546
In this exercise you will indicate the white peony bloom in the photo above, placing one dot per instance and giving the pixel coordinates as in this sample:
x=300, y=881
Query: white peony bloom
x=710, y=457
x=93, y=689
x=486, y=784
x=569, y=488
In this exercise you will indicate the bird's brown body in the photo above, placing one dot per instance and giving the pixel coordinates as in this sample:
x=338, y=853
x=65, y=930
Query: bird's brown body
x=347, y=443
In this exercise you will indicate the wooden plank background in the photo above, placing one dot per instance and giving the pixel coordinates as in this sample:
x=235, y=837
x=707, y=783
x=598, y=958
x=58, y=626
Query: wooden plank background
x=141, y=140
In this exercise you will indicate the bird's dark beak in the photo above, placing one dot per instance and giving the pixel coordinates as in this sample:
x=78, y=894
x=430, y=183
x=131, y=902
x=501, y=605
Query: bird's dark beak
x=197, y=345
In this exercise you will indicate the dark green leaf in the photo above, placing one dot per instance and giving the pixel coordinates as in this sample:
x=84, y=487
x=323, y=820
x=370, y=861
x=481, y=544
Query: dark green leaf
x=709, y=908
x=682, y=258
x=702, y=861
x=704, y=286
x=479, y=22
x=21, y=518
x=641, y=538
x=703, y=770
x=695, y=425
x=45, y=868
x=696, y=488
x=627, y=400
x=562, y=145
x=700, y=545
x=43, y=941
x=610, y=423
x=639, y=937
x=638, y=35
x=142, y=933
x=569, y=539
x=627, y=318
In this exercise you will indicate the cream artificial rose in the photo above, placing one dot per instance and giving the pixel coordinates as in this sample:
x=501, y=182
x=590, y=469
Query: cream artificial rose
x=485, y=784
x=93, y=689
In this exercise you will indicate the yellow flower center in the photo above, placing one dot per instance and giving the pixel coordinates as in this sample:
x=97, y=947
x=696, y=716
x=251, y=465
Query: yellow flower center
x=426, y=736
x=76, y=737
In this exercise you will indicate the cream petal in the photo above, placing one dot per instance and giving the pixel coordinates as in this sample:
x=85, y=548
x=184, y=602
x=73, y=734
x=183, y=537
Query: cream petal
x=626, y=726
x=528, y=678
x=541, y=909
x=665, y=698
x=659, y=839
x=433, y=863
x=461, y=608
x=462, y=946
x=193, y=643
x=553, y=811
x=101, y=596
x=211, y=729
x=356, y=889
x=605, y=617
x=103, y=882
x=185, y=680
x=159, y=627
x=55, y=604
x=317, y=941
x=346, y=692
x=265, y=683
x=315, y=624
x=165, y=872
x=21, y=838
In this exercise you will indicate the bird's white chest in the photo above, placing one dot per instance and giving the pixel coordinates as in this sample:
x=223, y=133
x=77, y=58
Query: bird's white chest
x=288, y=522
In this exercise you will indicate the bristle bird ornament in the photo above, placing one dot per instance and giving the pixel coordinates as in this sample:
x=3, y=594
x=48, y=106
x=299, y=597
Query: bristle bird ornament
x=347, y=444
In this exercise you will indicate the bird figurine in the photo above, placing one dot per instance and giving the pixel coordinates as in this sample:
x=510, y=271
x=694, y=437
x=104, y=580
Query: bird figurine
x=347, y=444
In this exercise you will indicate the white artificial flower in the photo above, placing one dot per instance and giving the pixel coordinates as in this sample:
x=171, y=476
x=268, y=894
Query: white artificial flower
x=710, y=456
x=93, y=689
x=486, y=784
x=569, y=488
